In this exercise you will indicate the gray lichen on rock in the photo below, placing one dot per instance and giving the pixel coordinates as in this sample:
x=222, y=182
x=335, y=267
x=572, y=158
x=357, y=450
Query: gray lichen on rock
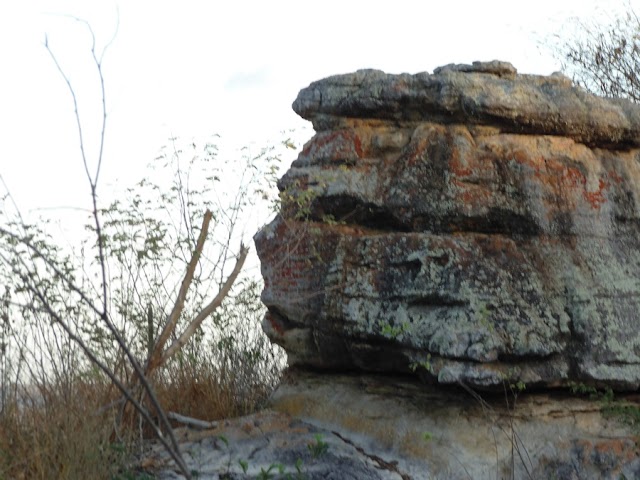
x=488, y=219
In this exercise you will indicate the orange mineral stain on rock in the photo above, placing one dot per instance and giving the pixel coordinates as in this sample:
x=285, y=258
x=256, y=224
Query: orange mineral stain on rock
x=536, y=223
x=596, y=198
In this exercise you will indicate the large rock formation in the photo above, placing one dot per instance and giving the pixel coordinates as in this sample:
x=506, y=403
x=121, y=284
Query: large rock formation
x=472, y=226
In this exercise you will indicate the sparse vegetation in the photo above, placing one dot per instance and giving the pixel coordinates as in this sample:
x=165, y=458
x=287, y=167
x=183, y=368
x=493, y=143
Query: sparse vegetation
x=604, y=58
x=277, y=471
x=319, y=447
x=127, y=317
x=424, y=364
x=60, y=416
x=622, y=411
x=394, y=331
x=519, y=453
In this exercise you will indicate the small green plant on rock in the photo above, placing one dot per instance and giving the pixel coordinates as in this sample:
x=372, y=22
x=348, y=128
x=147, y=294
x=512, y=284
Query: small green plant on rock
x=276, y=470
x=519, y=386
x=424, y=364
x=392, y=331
x=299, y=475
x=624, y=412
x=605, y=395
x=299, y=199
x=319, y=447
x=269, y=472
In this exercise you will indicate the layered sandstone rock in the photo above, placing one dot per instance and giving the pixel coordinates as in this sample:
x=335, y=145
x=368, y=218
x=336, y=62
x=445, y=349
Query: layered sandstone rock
x=472, y=226
x=374, y=427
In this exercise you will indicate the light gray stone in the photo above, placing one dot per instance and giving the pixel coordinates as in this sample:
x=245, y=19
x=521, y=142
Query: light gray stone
x=379, y=427
x=486, y=221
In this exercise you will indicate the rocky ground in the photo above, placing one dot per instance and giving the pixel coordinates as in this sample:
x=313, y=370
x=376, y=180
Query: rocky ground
x=377, y=427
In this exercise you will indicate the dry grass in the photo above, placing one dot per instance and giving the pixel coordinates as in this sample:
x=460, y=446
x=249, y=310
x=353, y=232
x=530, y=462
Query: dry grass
x=56, y=432
x=209, y=394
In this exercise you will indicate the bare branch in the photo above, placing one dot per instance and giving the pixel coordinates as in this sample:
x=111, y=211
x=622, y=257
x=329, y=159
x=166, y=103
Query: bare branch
x=154, y=360
x=209, y=309
x=75, y=108
x=113, y=37
x=191, y=422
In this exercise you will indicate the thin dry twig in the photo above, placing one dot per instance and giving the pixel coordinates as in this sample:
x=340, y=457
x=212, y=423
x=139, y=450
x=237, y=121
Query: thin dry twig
x=604, y=58
x=191, y=422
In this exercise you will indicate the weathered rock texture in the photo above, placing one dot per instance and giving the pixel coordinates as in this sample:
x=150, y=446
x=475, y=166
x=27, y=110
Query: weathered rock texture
x=475, y=228
x=385, y=428
x=472, y=226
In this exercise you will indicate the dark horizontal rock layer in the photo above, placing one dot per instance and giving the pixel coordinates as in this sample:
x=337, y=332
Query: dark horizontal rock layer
x=474, y=226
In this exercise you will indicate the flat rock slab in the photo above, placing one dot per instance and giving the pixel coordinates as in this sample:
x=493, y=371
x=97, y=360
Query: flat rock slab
x=269, y=445
x=473, y=225
x=485, y=93
x=378, y=427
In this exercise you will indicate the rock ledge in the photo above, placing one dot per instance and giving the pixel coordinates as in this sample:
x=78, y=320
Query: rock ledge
x=485, y=93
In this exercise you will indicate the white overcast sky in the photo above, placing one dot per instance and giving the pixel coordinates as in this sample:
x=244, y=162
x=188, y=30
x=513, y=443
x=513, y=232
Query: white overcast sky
x=193, y=68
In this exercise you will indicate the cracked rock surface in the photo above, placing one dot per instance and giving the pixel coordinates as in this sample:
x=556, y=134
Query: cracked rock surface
x=371, y=427
x=473, y=225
